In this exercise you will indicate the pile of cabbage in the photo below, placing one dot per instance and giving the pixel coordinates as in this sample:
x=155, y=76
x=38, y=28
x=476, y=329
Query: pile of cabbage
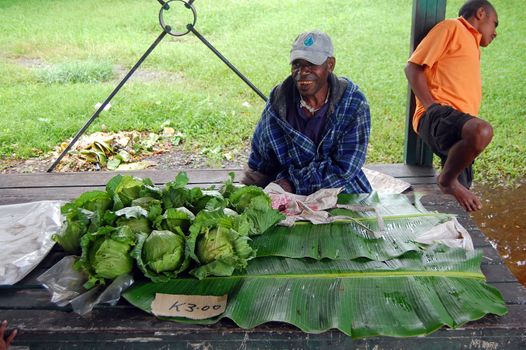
x=136, y=227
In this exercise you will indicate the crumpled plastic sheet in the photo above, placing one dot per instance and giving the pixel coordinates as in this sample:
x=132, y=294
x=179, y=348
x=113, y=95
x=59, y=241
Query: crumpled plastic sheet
x=25, y=237
x=65, y=285
x=383, y=183
x=450, y=233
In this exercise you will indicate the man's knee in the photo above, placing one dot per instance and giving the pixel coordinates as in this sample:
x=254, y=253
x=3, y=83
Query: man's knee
x=478, y=133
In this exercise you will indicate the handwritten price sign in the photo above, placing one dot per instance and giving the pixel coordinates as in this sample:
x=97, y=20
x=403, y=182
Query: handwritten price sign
x=196, y=307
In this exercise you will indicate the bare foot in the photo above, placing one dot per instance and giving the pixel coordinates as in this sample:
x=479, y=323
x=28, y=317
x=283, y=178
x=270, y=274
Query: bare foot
x=465, y=197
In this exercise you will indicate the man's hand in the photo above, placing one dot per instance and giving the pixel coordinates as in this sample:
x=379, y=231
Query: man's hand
x=417, y=80
x=285, y=184
x=4, y=344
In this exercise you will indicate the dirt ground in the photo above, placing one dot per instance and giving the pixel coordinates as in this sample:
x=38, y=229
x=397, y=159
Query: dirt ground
x=174, y=159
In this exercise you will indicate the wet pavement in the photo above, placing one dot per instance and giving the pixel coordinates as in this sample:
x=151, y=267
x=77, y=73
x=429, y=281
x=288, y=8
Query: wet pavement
x=503, y=220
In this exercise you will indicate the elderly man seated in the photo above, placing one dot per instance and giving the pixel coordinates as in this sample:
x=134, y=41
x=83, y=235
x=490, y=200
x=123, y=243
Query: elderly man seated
x=314, y=130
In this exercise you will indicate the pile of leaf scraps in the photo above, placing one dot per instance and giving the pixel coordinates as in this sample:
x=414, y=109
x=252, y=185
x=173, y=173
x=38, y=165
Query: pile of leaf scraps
x=124, y=150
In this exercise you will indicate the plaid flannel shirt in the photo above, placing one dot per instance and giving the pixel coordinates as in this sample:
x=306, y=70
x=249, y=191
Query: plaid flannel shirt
x=281, y=152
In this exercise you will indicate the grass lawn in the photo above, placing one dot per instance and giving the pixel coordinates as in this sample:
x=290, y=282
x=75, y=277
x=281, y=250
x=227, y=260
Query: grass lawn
x=58, y=59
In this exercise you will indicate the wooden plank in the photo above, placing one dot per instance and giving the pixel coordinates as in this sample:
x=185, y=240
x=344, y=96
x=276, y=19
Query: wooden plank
x=403, y=170
x=491, y=257
x=256, y=339
x=135, y=319
x=512, y=292
x=416, y=181
x=26, y=194
x=411, y=174
x=94, y=179
x=51, y=192
x=22, y=195
x=26, y=298
x=422, y=189
x=497, y=273
x=131, y=329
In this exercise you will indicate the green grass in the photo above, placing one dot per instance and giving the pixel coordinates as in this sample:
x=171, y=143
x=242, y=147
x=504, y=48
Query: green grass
x=81, y=40
x=76, y=72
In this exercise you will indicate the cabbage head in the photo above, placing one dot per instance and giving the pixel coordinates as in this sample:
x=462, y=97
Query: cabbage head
x=106, y=254
x=255, y=207
x=123, y=189
x=175, y=194
x=206, y=199
x=95, y=201
x=175, y=218
x=217, y=246
x=161, y=255
x=135, y=224
x=163, y=251
x=241, y=198
x=75, y=225
x=135, y=218
x=152, y=206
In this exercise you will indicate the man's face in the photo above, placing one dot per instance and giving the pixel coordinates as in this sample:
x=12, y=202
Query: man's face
x=311, y=78
x=488, y=27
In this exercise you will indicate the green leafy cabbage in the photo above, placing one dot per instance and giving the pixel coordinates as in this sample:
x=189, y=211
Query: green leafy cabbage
x=217, y=246
x=152, y=206
x=175, y=194
x=242, y=197
x=73, y=228
x=135, y=218
x=124, y=189
x=161, y=255
x=106, y=254
x=175, y=218
x=95, y=201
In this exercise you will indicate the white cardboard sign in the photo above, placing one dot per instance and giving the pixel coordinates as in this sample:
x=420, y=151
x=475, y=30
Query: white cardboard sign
x=196, y=307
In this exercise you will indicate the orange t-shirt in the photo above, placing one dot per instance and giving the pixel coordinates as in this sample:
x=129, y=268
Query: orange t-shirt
x=450, y=54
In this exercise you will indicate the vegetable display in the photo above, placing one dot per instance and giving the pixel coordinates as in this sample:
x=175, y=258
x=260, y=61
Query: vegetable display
x=214, y=242
x=161, y=232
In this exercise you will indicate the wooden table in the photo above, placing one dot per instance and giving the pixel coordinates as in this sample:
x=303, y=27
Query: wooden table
x=43, y=325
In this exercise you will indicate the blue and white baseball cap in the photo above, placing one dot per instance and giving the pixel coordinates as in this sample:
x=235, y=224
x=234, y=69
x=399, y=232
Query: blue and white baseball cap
x=313, y=46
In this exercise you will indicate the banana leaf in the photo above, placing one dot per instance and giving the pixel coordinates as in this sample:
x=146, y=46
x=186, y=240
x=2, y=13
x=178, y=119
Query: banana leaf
x=357, y=236
x=387, y=204
x=413, y=295
x=347, y=240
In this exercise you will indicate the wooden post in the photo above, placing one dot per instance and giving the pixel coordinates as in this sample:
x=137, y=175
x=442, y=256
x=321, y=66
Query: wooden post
x=426, y=13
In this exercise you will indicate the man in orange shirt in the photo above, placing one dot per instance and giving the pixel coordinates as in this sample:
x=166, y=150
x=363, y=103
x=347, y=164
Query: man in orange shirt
x=444, y=74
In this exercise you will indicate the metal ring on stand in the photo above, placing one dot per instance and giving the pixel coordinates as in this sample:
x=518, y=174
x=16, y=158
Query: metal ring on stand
x=166, y=7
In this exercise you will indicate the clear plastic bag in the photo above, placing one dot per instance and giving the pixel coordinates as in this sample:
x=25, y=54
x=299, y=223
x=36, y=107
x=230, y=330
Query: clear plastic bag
x=65, y=285
x=25, y=237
